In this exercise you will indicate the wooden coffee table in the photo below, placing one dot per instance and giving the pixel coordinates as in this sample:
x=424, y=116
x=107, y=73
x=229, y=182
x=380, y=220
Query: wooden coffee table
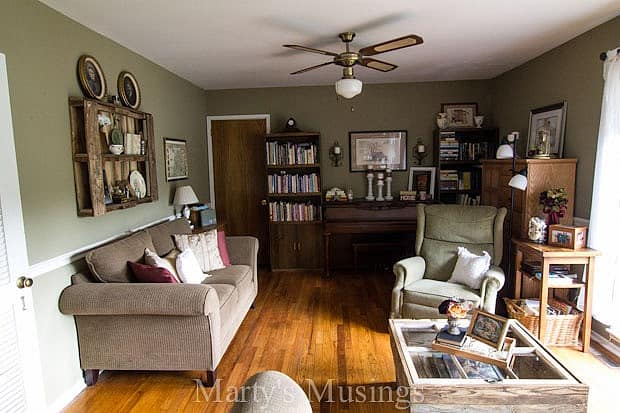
x=535, y=381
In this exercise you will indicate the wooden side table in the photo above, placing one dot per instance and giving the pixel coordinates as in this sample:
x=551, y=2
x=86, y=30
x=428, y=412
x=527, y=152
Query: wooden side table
x=548, y=255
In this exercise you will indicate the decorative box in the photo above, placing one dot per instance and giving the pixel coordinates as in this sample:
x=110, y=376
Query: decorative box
x=568, y=236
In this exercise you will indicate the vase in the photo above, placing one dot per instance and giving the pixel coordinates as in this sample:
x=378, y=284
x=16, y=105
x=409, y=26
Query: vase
x=554, y=218
x=453, y=326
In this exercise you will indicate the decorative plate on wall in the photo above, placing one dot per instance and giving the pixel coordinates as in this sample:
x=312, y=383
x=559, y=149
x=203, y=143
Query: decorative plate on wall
x=129, y=90
x=91, y=77
x=136, y=180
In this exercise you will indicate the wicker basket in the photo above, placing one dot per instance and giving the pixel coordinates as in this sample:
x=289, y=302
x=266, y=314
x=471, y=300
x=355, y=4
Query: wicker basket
x=562, y=330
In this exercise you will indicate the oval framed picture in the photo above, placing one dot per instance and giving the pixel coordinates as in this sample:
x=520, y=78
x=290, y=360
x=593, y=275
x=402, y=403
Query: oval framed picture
x=129, y=90
x=91, y=77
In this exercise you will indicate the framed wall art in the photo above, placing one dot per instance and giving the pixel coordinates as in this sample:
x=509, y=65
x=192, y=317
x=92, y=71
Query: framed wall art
x=175, y=153
x=460, y=115
x=546, y=132
x=379, y=150
x=422, y=180
x=129, y=90
x=91, y=77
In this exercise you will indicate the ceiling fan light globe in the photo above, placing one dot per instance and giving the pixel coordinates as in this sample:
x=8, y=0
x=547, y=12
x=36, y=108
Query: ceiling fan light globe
x=348, y=88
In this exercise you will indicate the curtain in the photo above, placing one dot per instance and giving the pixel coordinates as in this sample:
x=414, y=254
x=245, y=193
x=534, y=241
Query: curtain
x=605, y=216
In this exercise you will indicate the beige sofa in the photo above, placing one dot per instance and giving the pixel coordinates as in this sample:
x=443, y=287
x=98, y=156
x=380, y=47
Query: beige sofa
x=123, y=325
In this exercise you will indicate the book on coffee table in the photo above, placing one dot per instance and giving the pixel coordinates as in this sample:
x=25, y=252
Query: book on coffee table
x=455, y=340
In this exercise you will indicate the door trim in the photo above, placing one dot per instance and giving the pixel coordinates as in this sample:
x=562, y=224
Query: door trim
x=266, y=117
x=16, y=248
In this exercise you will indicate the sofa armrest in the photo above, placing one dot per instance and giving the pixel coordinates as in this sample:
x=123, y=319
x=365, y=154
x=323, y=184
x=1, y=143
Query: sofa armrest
x=244, y=250
x=406, y=271
x=139, y=299
x=494, y=280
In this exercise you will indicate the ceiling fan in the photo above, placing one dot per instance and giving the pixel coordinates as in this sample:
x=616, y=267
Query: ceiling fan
x=349, y=86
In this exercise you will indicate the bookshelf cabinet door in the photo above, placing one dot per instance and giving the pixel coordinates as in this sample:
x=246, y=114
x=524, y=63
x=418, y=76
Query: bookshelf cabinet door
x=310, y=238
x=283, y=243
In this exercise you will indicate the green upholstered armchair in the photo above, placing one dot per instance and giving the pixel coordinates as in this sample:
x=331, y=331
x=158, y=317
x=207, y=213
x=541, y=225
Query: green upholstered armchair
x=421, y=280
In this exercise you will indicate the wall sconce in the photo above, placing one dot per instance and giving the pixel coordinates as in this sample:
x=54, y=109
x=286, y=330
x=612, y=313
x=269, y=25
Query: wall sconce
x=335, y=154
x=419, y=151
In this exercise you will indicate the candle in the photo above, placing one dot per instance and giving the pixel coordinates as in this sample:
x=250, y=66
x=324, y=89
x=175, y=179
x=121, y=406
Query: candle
x=421, y=148
x=380, y=175
x=337, y=150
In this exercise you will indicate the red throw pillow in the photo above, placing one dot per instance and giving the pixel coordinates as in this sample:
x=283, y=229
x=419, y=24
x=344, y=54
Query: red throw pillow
x=221, y=245
x=149, y=274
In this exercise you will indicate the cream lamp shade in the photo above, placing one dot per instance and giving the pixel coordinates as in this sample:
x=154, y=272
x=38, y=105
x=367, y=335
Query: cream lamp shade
x=519, y=181
x=185, y=195
x=348, y=87
x=504, y=152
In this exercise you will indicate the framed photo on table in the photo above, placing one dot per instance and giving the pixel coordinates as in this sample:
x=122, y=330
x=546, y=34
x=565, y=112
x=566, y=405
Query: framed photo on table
x=422, y=179
x=460, y=115
x=379, y=150
x=175, y=153
x=489, y=328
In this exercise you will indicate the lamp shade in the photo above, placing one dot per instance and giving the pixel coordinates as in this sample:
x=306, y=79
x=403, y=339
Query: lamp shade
x=348, y=87
x=185, y=195
x=519, y=181
x=504, y=152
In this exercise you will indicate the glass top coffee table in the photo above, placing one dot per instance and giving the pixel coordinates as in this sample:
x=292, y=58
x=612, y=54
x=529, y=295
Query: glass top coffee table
x=535, y=381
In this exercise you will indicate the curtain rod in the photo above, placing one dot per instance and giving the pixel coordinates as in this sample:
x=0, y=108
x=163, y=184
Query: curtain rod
x=603, y=55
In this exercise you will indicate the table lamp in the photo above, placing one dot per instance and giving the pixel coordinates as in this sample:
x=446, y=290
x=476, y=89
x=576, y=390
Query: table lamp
x=185, y=195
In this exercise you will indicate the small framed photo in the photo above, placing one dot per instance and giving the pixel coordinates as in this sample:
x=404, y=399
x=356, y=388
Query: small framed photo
x=91, y=77
x=422, y=181
x=175, y=153
x=568, y=236
x=129, y=90
x=460, y=115
x=488, y=328
x=545, y=138
x=378, y=150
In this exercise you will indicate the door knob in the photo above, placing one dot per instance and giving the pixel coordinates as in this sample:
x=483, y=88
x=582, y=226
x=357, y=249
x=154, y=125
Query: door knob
x=263, y=202
x=23, y=282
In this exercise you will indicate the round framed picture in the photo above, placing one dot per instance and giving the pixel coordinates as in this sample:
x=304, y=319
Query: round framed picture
x=91, y=77
x=129, y=90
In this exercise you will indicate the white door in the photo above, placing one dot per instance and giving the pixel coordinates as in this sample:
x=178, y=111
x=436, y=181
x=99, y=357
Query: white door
x=21, y=386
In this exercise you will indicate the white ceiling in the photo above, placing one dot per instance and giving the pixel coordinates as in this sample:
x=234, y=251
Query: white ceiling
x=221, y=44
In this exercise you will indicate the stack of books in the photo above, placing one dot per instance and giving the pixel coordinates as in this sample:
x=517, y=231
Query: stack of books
x=558, y=273
x=444, y=337
x=448, y=180
x=448, y=146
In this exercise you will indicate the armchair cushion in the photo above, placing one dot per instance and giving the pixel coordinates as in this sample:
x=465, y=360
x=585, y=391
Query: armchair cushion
x=431, y=293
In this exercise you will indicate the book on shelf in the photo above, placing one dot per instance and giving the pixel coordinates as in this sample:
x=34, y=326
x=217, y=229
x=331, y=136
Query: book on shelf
x=289, y=153
x=293, y=212
x=293, y=183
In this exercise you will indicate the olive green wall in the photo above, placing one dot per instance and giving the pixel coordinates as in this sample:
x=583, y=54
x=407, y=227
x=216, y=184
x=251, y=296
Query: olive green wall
x=571, y=72
x=408, y=106
x=42, y=48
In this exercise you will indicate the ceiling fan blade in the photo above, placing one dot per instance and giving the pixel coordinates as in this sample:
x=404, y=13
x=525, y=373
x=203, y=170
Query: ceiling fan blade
x=311, y=68
x=309, y=49
x=394, y=44
x=377, y=64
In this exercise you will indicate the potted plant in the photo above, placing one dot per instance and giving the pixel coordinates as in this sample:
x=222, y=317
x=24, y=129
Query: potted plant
x=116, y=136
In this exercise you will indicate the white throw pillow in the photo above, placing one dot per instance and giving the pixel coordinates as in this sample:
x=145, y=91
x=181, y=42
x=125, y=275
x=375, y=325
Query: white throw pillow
x=204, y=246
x=168, y=262
x=188, y=268
x=470, y=268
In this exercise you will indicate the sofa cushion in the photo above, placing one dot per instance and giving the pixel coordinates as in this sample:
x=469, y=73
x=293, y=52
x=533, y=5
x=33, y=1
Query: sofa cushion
x=430, y=293
x=144, y=273
x=236, y=275
x=109, y=263
x=162, y=234
x=204, y=246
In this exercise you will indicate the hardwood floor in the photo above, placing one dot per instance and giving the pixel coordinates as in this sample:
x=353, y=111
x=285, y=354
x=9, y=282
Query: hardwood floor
x=309, y=327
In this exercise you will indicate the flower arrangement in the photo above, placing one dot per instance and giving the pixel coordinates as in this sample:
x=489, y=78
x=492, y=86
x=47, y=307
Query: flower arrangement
x=456, y=309
x=554, y=202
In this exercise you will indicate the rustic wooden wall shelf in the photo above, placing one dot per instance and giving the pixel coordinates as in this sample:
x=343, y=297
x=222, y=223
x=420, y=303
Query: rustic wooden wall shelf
x=91, y=156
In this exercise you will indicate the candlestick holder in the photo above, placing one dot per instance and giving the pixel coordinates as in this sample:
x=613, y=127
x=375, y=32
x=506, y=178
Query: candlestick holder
x=388, y=185
x=419, y=151
x=369, y=177
x=380, y=184
x=335, y=154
